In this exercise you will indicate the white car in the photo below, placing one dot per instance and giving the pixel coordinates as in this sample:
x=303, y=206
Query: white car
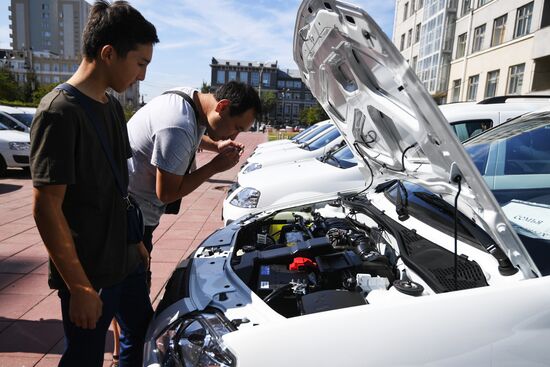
x=421, y=268
x=469, y=119
x=298, y=141
x=315, y=147
x=17, y=118
x=283, y=183
x=14, y=149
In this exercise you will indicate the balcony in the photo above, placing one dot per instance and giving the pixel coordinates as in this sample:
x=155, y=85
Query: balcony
x=541, y=46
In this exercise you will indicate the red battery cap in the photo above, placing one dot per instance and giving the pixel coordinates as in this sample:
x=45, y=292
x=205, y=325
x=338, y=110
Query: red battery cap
x=301, y=263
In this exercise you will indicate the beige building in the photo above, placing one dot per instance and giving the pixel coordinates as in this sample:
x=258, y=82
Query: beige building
x=501, y=47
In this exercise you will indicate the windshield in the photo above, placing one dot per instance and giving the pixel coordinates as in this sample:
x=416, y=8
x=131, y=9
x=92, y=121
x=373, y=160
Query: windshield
x=25, y=118
x=342, y=158
x=323, y=140
x=312, y=134
x=305, y=132
x=514, y=159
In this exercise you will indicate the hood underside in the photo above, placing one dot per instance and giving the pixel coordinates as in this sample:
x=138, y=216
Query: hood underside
x=387, y=117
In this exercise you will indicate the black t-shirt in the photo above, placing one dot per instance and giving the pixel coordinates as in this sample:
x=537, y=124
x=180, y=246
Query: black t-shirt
x=66, y=150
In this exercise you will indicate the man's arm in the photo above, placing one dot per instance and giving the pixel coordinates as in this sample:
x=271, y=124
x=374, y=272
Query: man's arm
x=171, y=187
x=85, y=304
x=207, y=143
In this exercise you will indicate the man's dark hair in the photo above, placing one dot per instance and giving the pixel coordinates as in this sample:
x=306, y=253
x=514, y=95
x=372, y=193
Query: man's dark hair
x=117, y=24
x=242, y=97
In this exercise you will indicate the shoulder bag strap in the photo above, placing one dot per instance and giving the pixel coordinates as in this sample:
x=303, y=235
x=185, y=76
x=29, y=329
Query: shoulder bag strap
x=83, y=101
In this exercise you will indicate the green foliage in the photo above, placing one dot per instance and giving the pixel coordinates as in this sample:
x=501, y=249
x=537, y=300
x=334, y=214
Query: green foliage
x=128, y=112
x=205, y=88
x=312, y=115
x=269, y=102
x=9, y=89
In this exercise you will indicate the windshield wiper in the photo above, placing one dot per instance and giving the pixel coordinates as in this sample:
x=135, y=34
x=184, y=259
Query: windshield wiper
x=400, y=206
x=505, y=266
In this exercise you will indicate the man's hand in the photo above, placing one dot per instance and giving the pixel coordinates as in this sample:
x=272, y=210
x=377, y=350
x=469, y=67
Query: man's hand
x=144, y=254
x=227, y=159
x=229, y=144
x=85, y=307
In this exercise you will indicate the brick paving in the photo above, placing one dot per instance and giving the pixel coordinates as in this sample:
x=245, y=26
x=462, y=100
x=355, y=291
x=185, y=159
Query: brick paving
x=31, y=332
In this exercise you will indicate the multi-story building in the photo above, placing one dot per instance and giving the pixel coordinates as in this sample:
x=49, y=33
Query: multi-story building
x=501, y=47
x=292, y=95
x=48, y=25
x=423, y=32
x=47, y=41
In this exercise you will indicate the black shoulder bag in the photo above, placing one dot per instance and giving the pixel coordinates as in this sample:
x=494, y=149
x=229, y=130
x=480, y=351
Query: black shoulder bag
x=174, y=207
x=135, y=224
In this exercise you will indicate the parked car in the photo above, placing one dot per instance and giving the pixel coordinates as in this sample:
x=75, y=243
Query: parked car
x=469, y=119
x=422, y=256
x=295, y=139
x=336, y=171
x=316, y=146
x=14, y=149
x=17, y=118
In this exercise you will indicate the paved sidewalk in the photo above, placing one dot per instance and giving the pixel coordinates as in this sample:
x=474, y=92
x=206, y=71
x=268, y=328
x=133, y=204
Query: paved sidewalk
x=31, y=332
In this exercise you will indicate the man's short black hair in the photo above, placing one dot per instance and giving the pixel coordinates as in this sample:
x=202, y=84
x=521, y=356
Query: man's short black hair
x=242, y=97
x=118, y=25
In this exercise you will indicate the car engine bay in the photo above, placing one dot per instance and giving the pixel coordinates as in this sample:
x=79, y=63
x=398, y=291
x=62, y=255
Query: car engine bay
x=311, y=260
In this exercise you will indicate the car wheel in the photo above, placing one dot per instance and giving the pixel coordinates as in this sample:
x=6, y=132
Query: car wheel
x=3, y=167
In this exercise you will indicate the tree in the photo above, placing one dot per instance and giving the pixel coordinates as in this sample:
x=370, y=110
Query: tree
x=269, y=102
x=9, y=89
x=205, y=88
x=41, y=91
x=312, y=115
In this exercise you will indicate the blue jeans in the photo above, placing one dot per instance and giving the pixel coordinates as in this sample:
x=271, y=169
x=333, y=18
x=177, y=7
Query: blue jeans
x=127, y=301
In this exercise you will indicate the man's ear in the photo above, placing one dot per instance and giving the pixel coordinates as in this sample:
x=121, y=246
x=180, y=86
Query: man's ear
x=222, y=105
x=107, y=53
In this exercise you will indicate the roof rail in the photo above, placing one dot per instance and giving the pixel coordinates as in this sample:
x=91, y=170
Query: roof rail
x=502, y=99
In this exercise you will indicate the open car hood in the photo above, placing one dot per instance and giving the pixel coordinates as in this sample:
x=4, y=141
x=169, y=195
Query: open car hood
x=388, y=118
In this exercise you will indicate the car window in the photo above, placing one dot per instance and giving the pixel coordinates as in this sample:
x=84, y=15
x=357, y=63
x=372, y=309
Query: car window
x=25, y=118
x=305, y=132
x=3, y=127
x=466, y=129
x=314, y=133
x=323, y=140
x=479, y=154
x=342, y=158
x=9, y=122
x=528, y=153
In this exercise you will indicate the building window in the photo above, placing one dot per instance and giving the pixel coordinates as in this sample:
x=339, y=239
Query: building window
x=480, y=3
x=231, y=75
x=266, y=79
x=420, y=4
x=280, y=84
x=409, y=37
x=499, y=27
x=402, y=43
x=466, y=6
x=255, y=78
x=415, y=61
x=243, y=76
x=221, y=76
x=473, y=81
x=65, y=68
x=298, y=85
x=492, y=83
x=417, y=33
x=479, y=36
x=456, y=90
x=515, y=79
x=461, y=45
x=412, y=7
x=523, y=20
x=406, y=12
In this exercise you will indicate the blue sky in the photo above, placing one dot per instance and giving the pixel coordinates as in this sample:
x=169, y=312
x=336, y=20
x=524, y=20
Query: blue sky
x=191, y=32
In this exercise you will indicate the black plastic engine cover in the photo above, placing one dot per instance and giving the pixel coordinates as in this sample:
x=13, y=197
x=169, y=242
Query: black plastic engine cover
x=330, y=300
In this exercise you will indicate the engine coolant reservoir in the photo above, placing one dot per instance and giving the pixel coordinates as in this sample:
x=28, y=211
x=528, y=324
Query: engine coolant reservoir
x=282, y=219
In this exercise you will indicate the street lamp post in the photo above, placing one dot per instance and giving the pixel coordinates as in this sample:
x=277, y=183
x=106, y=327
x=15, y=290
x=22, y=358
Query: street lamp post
x=284, y=93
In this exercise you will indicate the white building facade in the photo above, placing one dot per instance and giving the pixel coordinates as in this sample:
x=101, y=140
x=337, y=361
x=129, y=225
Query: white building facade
x=501, y=47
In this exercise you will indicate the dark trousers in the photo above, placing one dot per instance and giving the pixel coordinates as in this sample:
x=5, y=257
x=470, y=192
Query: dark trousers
x=148, y=242
x=129, y=303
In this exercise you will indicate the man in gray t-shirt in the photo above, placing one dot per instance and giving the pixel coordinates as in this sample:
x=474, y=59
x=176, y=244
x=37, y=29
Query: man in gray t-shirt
x=165, y=134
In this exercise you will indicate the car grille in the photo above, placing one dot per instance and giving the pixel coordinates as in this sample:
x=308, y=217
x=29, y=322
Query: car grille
x=21, y=159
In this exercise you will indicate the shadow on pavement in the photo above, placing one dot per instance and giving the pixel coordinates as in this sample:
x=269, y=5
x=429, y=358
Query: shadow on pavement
x=227, y=182
x=18, y=174
x=7, y=188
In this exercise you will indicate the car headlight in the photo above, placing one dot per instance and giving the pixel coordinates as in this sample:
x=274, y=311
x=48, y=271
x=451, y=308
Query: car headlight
x=195, y=341
x=19, y=145
x=252, y=167
x=246, y=198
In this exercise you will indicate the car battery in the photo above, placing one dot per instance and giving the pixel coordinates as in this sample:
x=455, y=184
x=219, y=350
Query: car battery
x=273, y=277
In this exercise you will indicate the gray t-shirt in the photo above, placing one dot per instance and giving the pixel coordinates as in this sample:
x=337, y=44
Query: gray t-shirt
x=163, y=134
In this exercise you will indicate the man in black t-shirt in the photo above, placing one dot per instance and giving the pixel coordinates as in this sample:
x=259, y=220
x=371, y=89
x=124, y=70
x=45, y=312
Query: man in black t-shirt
x=78, y=209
